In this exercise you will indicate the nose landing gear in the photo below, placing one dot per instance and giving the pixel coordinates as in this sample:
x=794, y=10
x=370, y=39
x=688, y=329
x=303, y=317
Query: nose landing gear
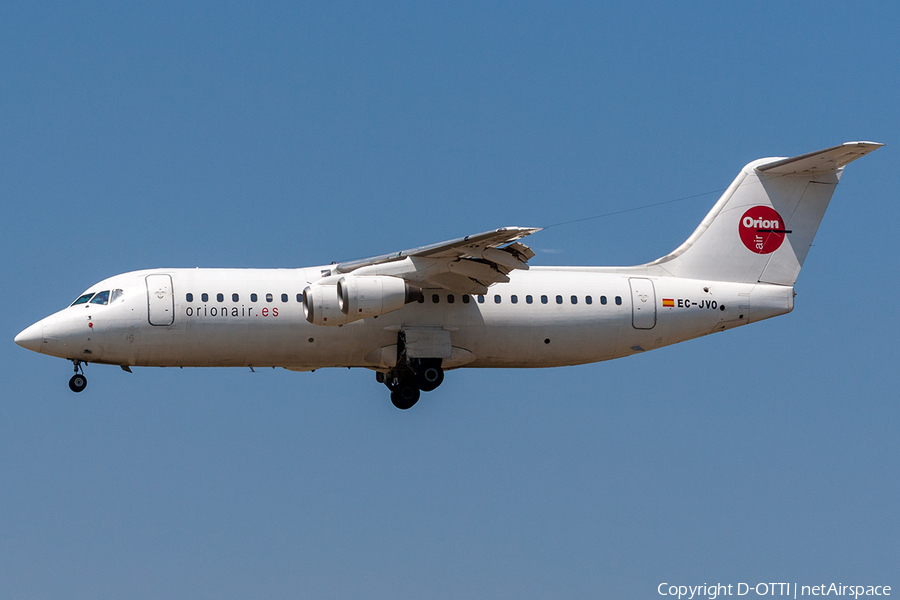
x=78, y=381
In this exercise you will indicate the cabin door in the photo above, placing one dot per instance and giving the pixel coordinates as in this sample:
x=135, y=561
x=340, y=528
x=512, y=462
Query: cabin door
x=643, y=303
x=160, y=301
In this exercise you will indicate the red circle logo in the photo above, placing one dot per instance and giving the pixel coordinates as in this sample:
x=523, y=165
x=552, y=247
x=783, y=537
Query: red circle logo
x=762, y=229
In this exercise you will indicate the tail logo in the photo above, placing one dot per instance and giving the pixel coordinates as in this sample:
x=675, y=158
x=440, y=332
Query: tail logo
x=762, y=229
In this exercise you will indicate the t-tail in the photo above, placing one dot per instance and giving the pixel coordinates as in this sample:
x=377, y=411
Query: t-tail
x=762, y=227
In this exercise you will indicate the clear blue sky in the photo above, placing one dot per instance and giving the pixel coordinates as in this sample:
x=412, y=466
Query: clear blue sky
x=140, y=135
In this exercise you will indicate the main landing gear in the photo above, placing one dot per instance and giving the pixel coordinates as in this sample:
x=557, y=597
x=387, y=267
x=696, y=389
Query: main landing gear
x=78, y=381
x=407, y=382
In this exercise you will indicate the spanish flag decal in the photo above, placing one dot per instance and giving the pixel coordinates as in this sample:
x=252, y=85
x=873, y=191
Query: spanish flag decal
x=668, y=302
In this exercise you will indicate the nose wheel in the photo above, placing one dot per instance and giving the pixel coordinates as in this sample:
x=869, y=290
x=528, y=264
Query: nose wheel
x=78, y=381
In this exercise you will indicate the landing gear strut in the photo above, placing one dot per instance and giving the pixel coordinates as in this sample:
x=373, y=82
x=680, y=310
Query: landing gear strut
x=78, y=381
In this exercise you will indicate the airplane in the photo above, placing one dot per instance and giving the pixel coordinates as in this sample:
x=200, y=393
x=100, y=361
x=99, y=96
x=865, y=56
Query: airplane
x=469, y=302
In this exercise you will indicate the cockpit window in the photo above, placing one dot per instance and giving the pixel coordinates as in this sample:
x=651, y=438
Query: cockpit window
x=101, y=297
x=82, y=299
x=116, y=296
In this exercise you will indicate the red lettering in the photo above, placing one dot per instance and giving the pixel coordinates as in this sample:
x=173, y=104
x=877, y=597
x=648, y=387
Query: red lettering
x=274, y=311
x=265, y=312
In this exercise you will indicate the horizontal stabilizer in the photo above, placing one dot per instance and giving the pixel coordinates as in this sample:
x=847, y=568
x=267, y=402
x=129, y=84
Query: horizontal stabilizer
x=829, y=159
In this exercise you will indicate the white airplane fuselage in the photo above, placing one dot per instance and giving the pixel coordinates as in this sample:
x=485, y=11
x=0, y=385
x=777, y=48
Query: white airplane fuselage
x=469, y=302
x=627, y=313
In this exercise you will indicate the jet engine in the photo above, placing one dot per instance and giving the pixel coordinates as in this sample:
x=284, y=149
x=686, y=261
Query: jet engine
x=320, y=305
x=354, y=298
x=370, y=296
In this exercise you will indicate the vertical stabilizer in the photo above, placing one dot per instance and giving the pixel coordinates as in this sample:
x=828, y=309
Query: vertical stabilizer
x=762, y=227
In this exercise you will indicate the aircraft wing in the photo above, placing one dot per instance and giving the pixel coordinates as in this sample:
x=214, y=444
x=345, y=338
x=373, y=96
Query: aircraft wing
x=465, y=265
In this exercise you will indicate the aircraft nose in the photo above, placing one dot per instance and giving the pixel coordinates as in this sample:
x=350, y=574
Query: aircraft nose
x=32, y=337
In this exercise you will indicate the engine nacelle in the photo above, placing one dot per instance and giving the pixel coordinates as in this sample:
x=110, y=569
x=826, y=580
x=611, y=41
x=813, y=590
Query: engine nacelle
x=370, y=296
x=321, y=307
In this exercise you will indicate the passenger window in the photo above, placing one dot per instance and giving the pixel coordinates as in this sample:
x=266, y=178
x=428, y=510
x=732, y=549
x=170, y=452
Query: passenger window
x=82, y=299
x=269, y=297
x=588, y=300
x=299, y=297
x=204, y=297
x=619, y=300
x=528, y=299
x=450, y=299
x=235, y=298
x=421, y=299
x=559, y=299
x=101, y=297
x=220, y=297
x=496, y=298
x=602, y=299
x=253, y=297
x=284, y=297
x=480, y=299
x=465, y=298
x=574, y=299
x=544, y=300
x=435, y=298
x=189, y=297
x=514, y=299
